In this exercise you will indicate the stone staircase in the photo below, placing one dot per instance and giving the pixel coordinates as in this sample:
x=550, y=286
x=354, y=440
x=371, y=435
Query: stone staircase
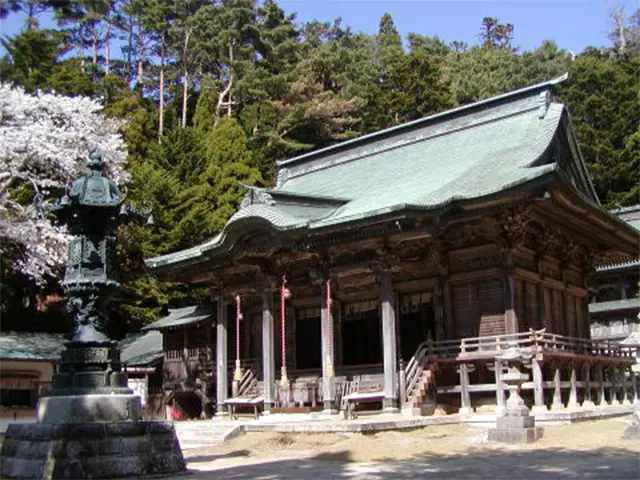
x=205, y=433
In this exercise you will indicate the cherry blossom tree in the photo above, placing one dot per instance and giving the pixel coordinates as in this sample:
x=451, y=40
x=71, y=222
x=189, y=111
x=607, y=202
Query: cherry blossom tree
x=45, y=140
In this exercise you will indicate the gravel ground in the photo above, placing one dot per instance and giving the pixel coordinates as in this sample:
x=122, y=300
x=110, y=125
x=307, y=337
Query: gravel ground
x=586, y=450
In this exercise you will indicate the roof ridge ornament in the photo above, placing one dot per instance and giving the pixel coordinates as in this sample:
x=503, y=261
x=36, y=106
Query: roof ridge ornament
x=544, y=100
x=255, y=195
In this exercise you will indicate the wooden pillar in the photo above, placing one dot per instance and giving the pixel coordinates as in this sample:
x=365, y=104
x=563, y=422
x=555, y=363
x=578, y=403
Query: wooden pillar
x=268, y=357
x=390, y=402
x=447, y=310
x=573, y=392
x=328, y=359
x=634, y=385
x=557, y=390
x=500, y=399
x=465, y=397
x=438, y=312
x=587, y=402
x=538, y=387
x=222, y=385
x=510, y=317
x=613, y=386
x=602, y=399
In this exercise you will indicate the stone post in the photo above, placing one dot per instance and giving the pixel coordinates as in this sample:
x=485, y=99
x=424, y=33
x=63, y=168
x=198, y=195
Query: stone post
x=634, y=384
x=328, y=371
x=500, y=400
x=625, y=390
x=587, y=402
x=557, y=391
x=613, y=386
x=390, y=402
x=511, y=319
x=465, y=398
x=268, y=358
x=538, y=387
x=516, y=425
x=602, y=399
x=573, y=392
x=222, y=385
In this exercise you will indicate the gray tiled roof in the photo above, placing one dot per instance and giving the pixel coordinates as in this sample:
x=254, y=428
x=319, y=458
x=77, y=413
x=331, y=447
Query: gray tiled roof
x=462, y=154
x=615, y=305
x=182, y=316
x=141, y=348
x=31, y=346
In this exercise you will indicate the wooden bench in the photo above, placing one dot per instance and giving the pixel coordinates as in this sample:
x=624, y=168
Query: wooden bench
x=234, y=402
x=353, y=399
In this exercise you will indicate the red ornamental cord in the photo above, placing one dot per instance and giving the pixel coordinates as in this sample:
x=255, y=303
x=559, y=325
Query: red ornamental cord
x=285, y=294
x=238, y=320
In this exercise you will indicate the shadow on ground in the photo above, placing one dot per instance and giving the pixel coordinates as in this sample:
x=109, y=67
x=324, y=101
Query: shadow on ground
x=209, y=458
x=604, y=463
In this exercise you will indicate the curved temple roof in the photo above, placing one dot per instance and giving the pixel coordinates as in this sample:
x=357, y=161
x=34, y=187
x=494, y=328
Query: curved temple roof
x=462, y=154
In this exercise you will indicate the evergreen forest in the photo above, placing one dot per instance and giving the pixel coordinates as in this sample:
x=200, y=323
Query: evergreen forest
x=212, y=92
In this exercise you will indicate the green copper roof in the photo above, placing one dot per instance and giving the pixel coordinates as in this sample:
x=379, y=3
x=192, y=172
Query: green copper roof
x=31, y=346
x=182, y=316
x=463, y=154
x=615, y=305
x=140, y=349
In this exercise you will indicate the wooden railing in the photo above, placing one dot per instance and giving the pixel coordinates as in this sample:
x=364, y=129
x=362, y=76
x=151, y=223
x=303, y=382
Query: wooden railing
x=533, y=340
x=488, y=347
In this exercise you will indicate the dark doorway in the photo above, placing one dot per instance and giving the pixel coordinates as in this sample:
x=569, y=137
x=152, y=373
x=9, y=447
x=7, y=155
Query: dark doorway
x=308, y=338
x=361, y=333
x=416, y=322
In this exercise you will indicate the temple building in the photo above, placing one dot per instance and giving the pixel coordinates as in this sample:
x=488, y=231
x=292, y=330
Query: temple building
x=395, y=267
x=615, y=296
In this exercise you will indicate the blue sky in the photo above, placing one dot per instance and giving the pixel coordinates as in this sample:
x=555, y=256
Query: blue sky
x=573, y=24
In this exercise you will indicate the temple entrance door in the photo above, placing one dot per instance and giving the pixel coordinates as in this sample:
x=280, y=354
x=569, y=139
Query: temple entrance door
x=308, y=339
x=361, y=333
x=416, y=322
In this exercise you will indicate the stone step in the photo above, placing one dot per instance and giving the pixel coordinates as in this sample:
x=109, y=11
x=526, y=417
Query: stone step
x=202, y=433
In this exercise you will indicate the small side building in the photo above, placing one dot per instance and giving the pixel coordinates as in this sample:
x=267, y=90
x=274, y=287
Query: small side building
x=143, y=357
x=187, y=350
x=27, y=363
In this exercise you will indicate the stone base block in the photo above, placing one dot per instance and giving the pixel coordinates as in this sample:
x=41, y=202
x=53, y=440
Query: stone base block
x=539, y=409
x=508, y=422
x=90, y=450
x=632, y=432
x=65, y=409
x=515, y=435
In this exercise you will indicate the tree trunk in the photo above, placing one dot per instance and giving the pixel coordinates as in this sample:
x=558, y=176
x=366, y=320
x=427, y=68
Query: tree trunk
x=142, y=50
x=94, y=45
x=161, y=112
x=185, y=86
x=185, y=94
x=231, y=45
x=107, y=48
x=129, y=46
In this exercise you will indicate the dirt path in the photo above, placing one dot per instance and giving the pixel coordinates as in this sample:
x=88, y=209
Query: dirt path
x=588, y=450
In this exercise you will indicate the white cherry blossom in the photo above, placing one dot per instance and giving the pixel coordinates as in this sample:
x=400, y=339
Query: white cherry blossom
x=45, y=140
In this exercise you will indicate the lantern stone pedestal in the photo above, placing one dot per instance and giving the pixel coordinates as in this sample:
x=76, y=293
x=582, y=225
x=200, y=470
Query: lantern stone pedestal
x=90, y=424
x=632, y=432
x=516, y=425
